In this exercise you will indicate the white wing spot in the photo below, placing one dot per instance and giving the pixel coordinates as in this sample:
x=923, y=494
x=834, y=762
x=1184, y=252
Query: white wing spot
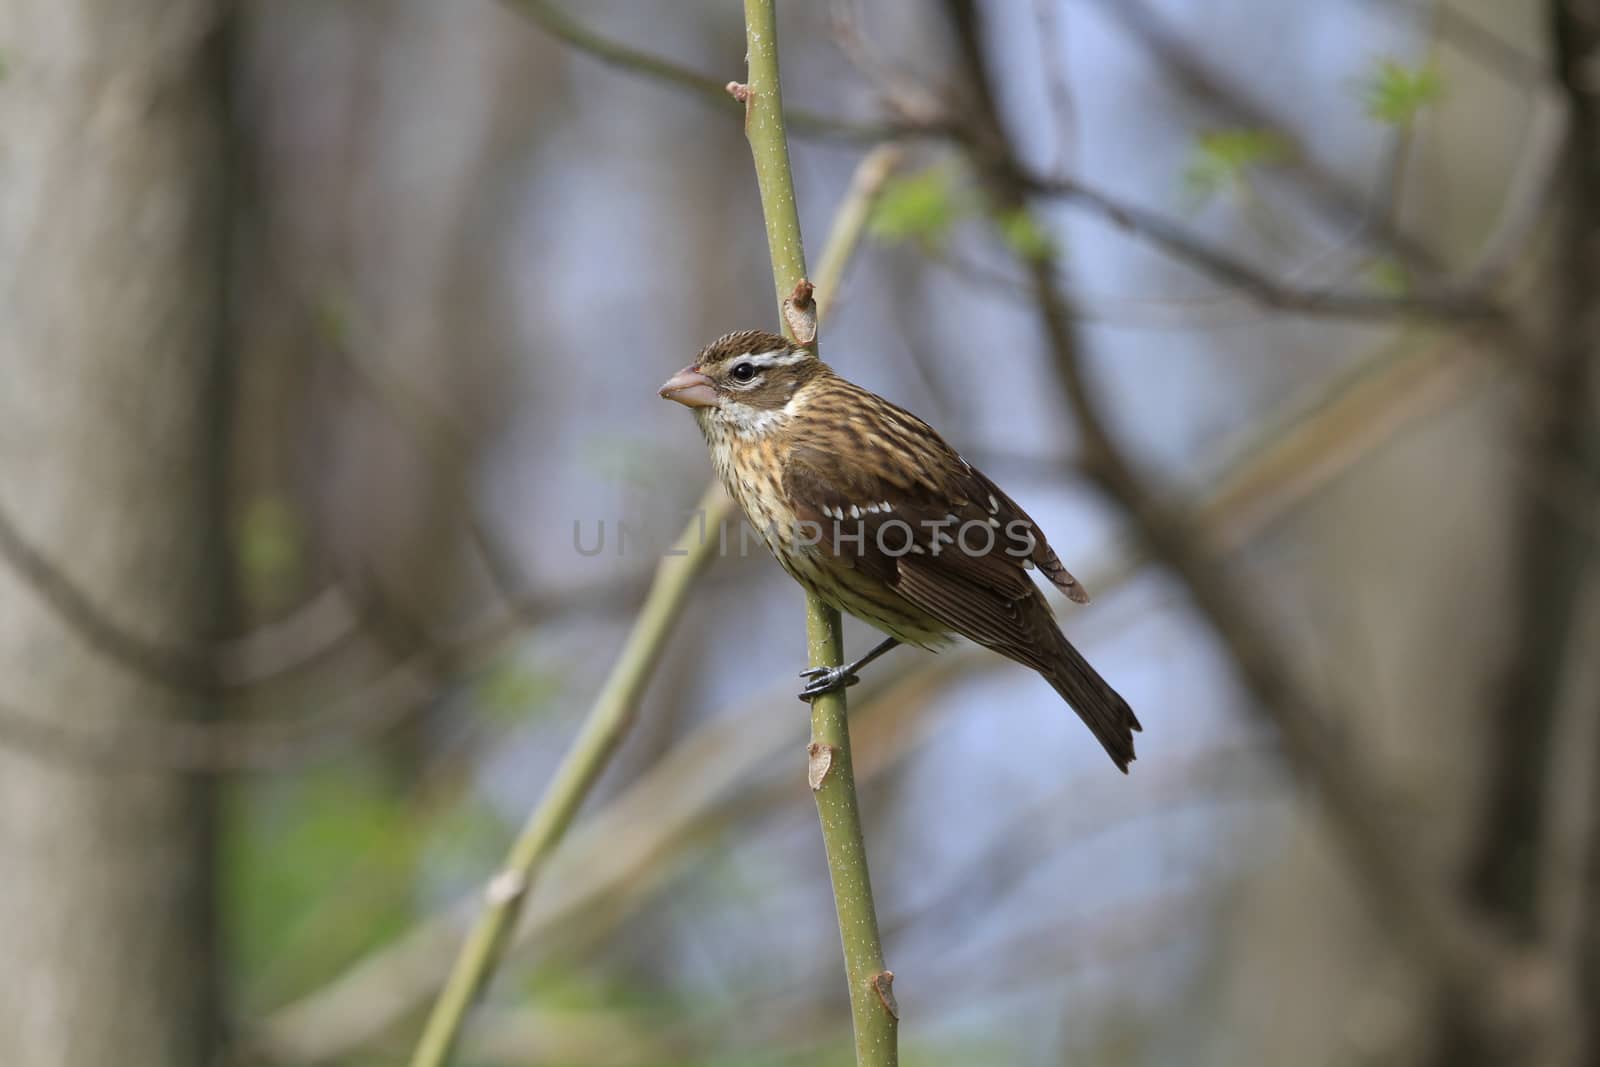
x=994, y=505
x=855, y=512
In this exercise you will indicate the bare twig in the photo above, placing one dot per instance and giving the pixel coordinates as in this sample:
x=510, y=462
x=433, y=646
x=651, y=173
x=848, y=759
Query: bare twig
x=1459, y=951
x=1524, y=202
x=268, y=745
x=1063, y=115
x=900, y=91
x=230, y=748
x=562, y=26
x=1470, y=305
x=1214, y=262
x=1212, y=777
x=273, y=650
x=1338, y=201
x=181, y=667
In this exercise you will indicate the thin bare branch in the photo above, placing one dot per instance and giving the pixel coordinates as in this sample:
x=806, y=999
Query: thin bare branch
x=1063, y=114
x=1230, y=270
x=1461, y=953
x=180, y=667
x=1261, y=286
x=1338, y=200
x=555, y=21
x=275, y=650
x=267, y=745
x=237, y=747
x=899, y=90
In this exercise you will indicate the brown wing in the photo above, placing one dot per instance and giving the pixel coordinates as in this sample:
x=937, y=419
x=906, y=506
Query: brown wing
x=934, y=540
x=900, y=468
x=919, y=518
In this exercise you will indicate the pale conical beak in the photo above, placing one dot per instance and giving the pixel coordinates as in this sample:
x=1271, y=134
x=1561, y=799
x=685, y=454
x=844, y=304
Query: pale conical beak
x=691, y=389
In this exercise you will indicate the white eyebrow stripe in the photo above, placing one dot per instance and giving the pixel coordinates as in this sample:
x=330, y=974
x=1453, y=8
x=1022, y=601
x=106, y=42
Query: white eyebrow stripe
x=777, y=358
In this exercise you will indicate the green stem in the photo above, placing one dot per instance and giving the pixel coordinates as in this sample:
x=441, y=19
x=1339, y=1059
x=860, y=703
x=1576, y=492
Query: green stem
x=871, y=997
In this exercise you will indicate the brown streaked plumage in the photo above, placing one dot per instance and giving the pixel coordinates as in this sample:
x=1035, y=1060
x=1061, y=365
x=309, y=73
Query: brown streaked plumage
x=866, y=506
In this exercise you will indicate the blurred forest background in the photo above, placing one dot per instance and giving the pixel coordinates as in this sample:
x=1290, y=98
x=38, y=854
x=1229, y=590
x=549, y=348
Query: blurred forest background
x=332, y=330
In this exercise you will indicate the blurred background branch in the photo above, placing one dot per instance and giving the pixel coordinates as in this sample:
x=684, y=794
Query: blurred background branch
x=1463, y=952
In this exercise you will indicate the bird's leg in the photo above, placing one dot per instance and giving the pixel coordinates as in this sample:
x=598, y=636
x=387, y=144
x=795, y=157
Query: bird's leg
x=820, y=680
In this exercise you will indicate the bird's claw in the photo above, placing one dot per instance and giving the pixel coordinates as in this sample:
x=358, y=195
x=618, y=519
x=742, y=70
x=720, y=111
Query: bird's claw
x=821, y=680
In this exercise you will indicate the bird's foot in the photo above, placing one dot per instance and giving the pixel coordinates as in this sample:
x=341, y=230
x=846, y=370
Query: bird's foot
x=821, y=680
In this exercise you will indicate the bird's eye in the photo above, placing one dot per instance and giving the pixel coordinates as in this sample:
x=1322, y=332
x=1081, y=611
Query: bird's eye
x=743, y=372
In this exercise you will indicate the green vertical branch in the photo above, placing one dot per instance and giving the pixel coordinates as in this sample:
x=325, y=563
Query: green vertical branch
x=613, y=712
x=872, y=1004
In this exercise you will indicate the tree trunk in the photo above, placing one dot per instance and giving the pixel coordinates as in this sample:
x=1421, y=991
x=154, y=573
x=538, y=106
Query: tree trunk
x=111, y=292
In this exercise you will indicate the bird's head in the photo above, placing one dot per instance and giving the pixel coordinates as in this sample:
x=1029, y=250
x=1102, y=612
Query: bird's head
x=745, y=382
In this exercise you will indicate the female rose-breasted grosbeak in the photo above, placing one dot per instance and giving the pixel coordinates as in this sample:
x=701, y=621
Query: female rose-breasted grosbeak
x=869, y=509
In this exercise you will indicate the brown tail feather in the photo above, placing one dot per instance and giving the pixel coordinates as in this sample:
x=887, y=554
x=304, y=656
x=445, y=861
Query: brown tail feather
x=1097, y=704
